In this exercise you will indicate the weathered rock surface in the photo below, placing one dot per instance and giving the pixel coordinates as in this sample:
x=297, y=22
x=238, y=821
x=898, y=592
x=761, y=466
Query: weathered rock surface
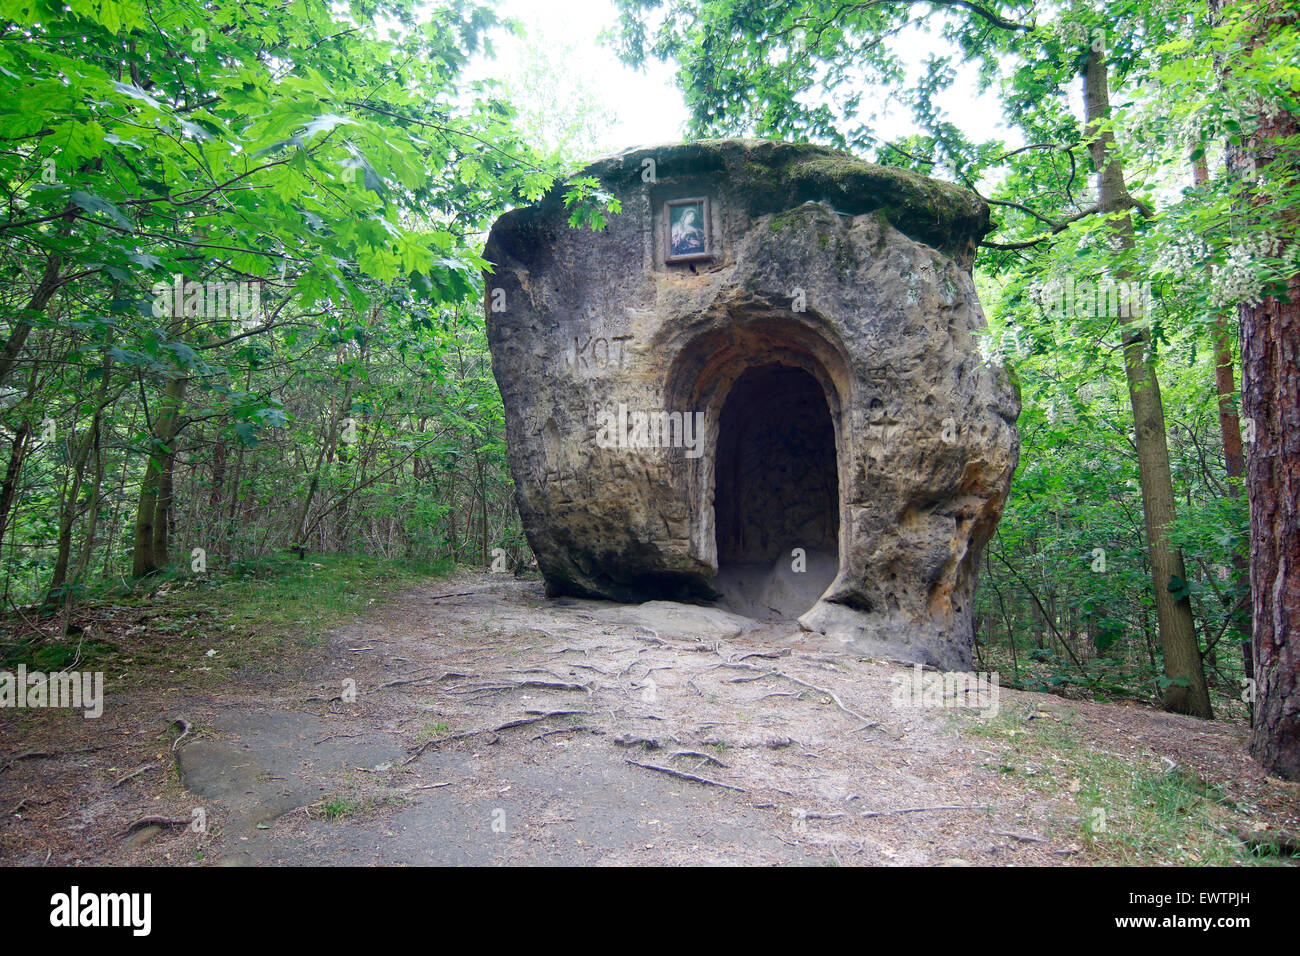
x=828, y=343
x=669, y=619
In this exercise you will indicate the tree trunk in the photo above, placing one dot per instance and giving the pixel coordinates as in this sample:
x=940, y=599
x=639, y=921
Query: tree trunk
x=162, y=515
x=68, y=513
x=1270, y=387
x=1186, y=691
x=45, y=289
x=150, y=551
x=115, y=519
x=92, y=518
x=1234, y=458
x=323, y=460
x=17, y=452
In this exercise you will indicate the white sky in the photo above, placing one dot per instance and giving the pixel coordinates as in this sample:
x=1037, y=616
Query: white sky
x=647, y=106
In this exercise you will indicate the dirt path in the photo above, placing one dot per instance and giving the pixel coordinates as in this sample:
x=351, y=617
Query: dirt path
x=490, y=725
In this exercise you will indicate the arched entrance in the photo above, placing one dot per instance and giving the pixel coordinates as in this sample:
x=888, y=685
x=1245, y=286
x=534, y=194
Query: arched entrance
x=773, y=386
x=776, y=493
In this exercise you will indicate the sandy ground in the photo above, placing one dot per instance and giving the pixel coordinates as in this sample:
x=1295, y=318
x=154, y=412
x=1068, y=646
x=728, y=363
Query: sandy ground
x=472, y=721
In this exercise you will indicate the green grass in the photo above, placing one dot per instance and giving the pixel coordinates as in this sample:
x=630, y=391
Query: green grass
x=1126, y=813
x=311, y=596
x=250, y=615
x=340, y=807
x=434, y=730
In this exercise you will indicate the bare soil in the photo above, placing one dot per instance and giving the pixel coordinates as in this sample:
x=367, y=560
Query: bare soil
x=474, y=721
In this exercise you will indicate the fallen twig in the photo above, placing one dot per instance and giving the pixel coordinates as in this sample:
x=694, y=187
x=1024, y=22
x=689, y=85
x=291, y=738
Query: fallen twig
x=563, y=730
x=436, y=741
x=533, y=717
x=26, y=803
x=418, y=680
x=133, y=774
x=890, y=813
x=438, y=597
x=45, y=754
x=1020, y=837
x=27, y=755
x=315, y=743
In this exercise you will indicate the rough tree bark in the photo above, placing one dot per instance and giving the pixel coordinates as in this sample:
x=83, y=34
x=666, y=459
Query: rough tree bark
x=1270, y=387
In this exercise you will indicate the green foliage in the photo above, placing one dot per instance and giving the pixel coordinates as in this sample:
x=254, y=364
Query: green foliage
x=1067, y=601
x=587, y=203
x=253, y=232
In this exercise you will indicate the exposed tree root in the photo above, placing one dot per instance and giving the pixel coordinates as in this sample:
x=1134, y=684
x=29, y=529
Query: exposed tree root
x=682, y=775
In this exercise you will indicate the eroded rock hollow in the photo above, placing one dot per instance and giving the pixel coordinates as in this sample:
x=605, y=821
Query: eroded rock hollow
x=760, y=385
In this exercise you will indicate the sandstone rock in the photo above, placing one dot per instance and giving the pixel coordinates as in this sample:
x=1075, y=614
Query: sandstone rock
x=818, y=325
x=670, y=619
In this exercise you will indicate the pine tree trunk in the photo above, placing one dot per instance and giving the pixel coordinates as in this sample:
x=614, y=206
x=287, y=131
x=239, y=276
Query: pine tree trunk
x=1270, y=386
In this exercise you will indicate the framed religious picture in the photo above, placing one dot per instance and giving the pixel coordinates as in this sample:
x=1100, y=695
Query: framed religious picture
x=687, y=233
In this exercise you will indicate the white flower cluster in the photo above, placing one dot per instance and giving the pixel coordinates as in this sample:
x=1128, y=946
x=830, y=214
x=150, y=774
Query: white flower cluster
x=1012, y=343
x=1143, y=134
x=1072, y=33
x=1181, y=256
x=1043, y=292
x=991, y=352
x=1240, y=106
x=1240, y=280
